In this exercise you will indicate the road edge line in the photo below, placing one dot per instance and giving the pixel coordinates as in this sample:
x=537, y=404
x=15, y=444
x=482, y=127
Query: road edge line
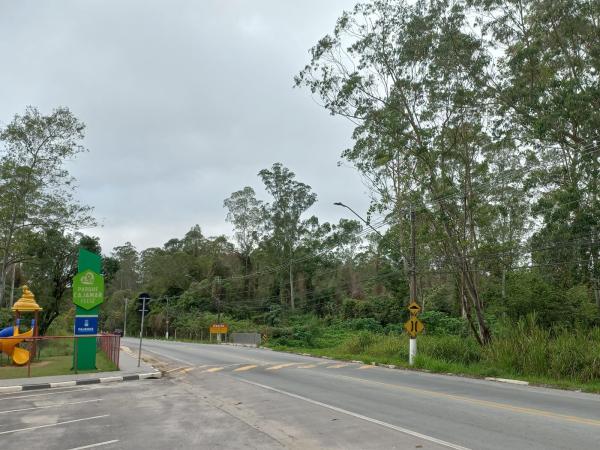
x=359, y=416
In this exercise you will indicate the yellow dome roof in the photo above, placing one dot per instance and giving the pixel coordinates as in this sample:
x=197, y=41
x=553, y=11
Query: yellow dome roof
x=27, y=302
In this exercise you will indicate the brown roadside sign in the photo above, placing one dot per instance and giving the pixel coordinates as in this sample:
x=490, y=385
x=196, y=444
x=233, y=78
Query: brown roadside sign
x=414, y=308
x=218, y=328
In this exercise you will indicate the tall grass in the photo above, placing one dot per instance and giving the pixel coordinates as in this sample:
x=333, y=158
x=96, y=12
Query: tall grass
x=520, y=349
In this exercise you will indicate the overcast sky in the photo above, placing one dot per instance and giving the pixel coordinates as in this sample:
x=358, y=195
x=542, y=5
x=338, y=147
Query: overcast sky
x=184, y=102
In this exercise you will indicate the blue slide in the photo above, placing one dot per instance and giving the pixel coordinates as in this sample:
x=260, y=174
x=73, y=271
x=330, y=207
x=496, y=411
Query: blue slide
x=7, y=332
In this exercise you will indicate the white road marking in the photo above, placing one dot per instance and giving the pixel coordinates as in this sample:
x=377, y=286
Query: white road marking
x=99, y=444
x=167, y=356
x=53, y=424
x=360, y=416
x=51, y=406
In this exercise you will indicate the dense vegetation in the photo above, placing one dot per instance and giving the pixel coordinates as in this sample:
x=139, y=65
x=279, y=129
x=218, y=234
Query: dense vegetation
x=480, y=116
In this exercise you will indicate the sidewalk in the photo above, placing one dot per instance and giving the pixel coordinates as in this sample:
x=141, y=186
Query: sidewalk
x=127, y=363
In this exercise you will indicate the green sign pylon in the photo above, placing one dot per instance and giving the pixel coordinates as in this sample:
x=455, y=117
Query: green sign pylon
x=89, y=265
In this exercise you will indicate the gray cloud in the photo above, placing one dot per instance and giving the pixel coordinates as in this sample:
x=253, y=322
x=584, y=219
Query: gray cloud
x=185, y=101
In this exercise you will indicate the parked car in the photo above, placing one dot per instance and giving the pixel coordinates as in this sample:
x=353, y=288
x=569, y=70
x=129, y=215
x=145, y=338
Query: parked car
x=118, y=331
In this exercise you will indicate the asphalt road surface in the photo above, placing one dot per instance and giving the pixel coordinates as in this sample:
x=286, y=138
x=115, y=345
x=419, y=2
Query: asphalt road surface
x=336, y=404
x=232, y=397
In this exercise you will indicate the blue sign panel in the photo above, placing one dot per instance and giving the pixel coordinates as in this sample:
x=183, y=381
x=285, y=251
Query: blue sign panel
x=86, y=325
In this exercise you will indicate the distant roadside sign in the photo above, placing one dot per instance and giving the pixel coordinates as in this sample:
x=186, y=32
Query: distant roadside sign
x=219, y=328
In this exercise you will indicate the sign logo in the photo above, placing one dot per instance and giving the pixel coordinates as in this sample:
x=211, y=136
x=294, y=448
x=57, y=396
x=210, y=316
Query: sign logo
x=88, y=289
x=87, y=278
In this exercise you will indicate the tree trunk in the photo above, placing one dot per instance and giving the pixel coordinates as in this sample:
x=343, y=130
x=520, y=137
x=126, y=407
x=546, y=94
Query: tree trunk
x=292, y=305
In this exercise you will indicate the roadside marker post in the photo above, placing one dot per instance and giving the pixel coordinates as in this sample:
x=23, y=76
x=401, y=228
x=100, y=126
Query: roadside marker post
x=413, y=327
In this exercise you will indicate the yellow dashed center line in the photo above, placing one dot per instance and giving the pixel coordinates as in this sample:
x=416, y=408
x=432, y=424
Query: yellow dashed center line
x=244, y=368
x=307, y=366
x=281, y=366
x=367, y=366
x=337, y=366
x=486, y=403
x=213, y=369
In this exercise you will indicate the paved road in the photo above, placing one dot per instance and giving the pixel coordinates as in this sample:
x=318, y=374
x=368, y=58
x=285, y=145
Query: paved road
x=320, y=403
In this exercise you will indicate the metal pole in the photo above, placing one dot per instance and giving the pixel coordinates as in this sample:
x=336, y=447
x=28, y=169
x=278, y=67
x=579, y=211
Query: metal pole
x=125, y=319
x=142, y=329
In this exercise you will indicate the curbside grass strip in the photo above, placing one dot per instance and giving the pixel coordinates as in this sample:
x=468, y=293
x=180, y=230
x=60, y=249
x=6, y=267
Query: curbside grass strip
x=63, y=384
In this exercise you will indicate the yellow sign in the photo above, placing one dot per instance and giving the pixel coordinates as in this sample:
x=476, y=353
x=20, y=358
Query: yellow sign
x=414, y=308
x=218, y=328
x=414, y=326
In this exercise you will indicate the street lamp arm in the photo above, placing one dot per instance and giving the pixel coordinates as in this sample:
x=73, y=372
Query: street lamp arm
x=357, y=215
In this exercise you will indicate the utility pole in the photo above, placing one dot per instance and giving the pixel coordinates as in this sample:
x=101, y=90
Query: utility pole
x=125, y=318
x=217, y=295
x=167, y=333
x=412, y=350
x=144, y=297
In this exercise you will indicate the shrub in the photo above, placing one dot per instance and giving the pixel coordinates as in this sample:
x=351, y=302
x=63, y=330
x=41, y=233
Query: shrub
x=437, y=322
x=366, y=323
x=452, y=349
x=358, y=343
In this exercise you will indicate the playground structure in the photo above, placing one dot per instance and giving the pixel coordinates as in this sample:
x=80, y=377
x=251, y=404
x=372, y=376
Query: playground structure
x=10, y=337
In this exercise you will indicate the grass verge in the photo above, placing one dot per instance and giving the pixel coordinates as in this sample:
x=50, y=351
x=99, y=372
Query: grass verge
x=566, y=359
x=54, y=365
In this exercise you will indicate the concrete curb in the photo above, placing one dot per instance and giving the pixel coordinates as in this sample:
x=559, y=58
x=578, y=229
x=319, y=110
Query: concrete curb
x=62, y=384
x=507, y=380
x=392, y=366
x=233, y=344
